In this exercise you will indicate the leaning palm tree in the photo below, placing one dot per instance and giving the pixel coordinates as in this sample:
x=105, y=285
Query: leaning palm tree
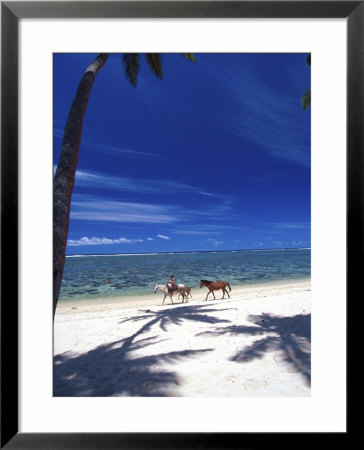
x=306, y=97
x=65, y=174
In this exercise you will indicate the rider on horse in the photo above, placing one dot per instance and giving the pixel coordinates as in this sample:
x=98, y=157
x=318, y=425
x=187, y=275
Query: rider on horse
x=171, y=284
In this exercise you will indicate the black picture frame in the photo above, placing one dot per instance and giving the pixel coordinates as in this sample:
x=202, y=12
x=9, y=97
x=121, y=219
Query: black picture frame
x=11, y=12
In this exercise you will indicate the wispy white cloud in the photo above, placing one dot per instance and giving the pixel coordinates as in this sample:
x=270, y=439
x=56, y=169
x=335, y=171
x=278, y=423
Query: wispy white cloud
x=162, y=236
x=92, y=142
x=92, y=208
x=195, y=232
x=119, y=150
x=297, y=242
x=265, y=115
x=290, y=225
x=206, y=230
x=215, y=242
x=97, y=209
x=146, y=186
x=277, y=140
x=58, y=132
x=104, y=181
x=100, y=241
x=210, y=205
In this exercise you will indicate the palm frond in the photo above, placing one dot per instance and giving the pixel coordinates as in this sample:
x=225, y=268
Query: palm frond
x=155, y=63
x=131, y=65
x=306, y=99
x=190, y=57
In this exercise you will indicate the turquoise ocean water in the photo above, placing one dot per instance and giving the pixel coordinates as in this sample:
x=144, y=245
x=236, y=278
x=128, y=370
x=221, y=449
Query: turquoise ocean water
x=85, y=276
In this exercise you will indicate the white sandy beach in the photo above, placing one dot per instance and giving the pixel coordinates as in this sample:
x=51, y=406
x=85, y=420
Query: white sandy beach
x=257, y=343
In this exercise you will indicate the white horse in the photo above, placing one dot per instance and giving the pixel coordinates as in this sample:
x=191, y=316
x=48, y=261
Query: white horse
x=181, y=289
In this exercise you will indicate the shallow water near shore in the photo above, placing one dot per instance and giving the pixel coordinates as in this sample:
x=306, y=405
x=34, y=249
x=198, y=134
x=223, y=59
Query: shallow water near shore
x=114, y=276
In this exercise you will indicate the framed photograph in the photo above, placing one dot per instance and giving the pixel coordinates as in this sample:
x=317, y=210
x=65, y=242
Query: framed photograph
x=200, y=276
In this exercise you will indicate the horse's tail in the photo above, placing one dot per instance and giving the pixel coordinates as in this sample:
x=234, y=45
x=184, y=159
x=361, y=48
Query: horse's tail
x=229, y=286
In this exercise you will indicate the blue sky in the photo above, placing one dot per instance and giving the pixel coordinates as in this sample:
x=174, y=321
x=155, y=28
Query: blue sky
x=215, y=156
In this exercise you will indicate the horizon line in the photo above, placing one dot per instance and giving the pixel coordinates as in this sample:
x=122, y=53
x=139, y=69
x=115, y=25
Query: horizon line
x=188, y=251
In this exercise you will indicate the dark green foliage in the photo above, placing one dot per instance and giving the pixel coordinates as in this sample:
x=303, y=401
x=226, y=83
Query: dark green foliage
x=155, y=63
x=131, y=64
x=306, y=99
x=190, y=56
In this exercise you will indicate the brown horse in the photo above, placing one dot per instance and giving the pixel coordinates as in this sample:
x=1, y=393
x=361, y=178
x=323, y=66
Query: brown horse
x=188, y=292
x=214, y=286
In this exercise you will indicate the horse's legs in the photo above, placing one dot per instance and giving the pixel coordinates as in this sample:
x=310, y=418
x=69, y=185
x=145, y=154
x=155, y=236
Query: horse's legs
x=165, y=295
x=184, y=296
x=210, y=293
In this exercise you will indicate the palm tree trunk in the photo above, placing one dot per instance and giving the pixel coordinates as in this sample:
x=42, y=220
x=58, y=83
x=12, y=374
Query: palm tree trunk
x=66, y=170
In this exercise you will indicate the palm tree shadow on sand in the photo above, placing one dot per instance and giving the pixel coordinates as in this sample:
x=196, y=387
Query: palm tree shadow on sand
x=288, y=337
x=113, y=370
